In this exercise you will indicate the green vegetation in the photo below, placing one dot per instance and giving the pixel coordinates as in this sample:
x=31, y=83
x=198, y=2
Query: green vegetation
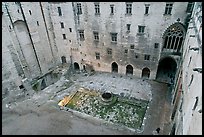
x=121, y=110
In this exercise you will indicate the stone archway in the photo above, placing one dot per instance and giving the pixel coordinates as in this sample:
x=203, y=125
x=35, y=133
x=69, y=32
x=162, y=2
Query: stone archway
x=129, y=70
x=114, y=67
x=76, y=66
x=63, y=58
x=166, y=70
x=145, y=73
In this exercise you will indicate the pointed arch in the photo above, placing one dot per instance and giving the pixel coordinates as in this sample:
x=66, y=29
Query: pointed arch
x=173, y=38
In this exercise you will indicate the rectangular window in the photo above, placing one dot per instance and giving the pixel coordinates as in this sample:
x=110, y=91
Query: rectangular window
x=62, y=24
x=128, y=27
x=109, y=51
x=59, y=11
x=141, y=29
x=132, y=46
x=190, y=7
x=128, y=8
x=79, y=10
x=37, y=23
x=156, y=45
x=146, y=57
x=126, y=51
x=146, y=8
x=168, y=8
x=97, y=8
x=64, y=36
x=81, y=34
x=114, y=37
x=112, y=9
x=70, y=29
x=96, y=37
x=97, y=55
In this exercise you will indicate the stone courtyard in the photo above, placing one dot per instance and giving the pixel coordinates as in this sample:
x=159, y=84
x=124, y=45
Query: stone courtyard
x=40, y=113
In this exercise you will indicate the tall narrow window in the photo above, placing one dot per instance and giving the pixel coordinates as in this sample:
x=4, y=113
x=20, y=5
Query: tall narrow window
x=70, y=29
x=168, y=8
x=97, y=55
x=190, y=7
x=141, y=29
x=30, y=12
x=81, y=34
x=128, y=27
x=112, y=9
x=79, y=10
x=114, y=37
x=59, y=11
x=62, y=24
x=37, y=23
x=128, y=8
x=109, y=51
x=64, y=36
x=97, y=8
x=146, y=57
x=146, y=9
x=96, y=37
x=156, y=45
x=126, y=51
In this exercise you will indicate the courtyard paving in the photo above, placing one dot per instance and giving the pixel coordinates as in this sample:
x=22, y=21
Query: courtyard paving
x=40, y=114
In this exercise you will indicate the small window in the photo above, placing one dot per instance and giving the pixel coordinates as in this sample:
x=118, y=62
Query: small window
x=128, y=27
x=109, y=51
x=30, y=12
x=132, y=46
x=64, y=36
x=141, y=29
x=191, y=80
x=114, y=37
x=156, y=45
x=18, y=11
x=21, y=86
x=168, y=8
x=79, y=10
x=37, y=23
x=59, y=11
x=97, y=55
x=62, y=24
x=196, y=103
x=146, y=57
x=97, y=8
x=112, y=9
x=128, y=8
x=96, y=37
x=9, y=27
x=146, y=9
x=136, y=56
x=70, y=29
x=126, y=51
x=81, y=34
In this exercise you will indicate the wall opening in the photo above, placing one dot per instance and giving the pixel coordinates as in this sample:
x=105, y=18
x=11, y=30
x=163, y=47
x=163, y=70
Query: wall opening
x=43, y=84
x=166, y=70
x=145, y=73
x=114, y=67
x=129, y=70
x=76, y=66
x=63, y=58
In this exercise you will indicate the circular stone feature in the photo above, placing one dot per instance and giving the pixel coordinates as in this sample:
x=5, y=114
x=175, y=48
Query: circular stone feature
x=106, y=97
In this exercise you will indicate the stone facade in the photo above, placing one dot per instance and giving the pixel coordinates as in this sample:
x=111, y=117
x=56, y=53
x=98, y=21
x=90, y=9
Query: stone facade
x=145, y=39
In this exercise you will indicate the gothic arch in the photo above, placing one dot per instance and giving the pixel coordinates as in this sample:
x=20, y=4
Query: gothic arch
x=173, y=38
x=129, y=69
x=114, y=67
x=145, y=72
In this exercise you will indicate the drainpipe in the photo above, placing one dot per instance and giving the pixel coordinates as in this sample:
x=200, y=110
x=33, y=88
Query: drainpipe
x=30, y=38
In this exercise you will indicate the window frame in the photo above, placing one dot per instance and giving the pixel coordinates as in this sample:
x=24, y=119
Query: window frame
x=81, y=35
x=79, y=9
x=168, y=9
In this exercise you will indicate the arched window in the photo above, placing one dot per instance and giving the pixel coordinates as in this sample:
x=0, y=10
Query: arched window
x=173, y=38
x=114, y=67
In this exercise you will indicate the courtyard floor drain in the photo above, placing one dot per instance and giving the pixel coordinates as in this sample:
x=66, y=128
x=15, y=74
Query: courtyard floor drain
x=113, y=108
